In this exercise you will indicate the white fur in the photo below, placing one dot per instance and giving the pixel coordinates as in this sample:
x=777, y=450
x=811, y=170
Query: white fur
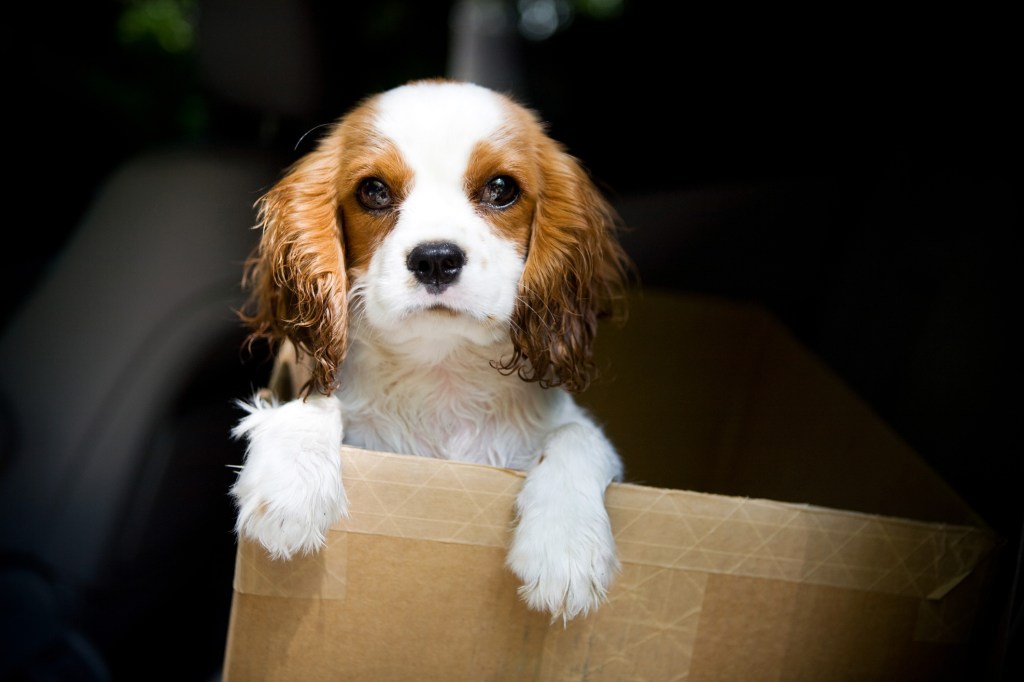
x=421, y=381
x=436, y=128
x=289, y=492
x=563, y=549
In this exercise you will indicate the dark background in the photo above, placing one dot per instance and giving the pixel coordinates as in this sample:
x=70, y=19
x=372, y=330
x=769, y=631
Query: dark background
x=856, y=171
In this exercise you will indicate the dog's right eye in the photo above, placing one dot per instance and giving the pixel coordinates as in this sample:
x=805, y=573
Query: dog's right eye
x=373, y=194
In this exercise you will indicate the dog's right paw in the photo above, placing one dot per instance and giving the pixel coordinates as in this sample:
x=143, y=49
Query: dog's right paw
x=290, y=491
x=285, y=530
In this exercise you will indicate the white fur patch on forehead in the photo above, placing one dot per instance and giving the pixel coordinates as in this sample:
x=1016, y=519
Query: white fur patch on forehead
x=436, y=125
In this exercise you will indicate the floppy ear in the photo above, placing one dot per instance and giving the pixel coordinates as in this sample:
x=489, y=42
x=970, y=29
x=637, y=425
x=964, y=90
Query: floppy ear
x=296, y=278
x=575, y=274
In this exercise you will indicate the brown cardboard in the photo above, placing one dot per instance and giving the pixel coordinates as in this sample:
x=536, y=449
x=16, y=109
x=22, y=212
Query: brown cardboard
x=865, y=566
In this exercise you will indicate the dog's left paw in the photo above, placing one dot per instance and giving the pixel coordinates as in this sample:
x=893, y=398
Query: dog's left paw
x=564, y=553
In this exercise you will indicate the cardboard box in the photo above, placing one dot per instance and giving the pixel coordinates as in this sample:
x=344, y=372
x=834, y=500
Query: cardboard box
x=819, y=547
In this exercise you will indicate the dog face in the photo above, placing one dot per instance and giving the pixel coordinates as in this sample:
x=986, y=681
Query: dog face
x=440, y=211
x=431, y=216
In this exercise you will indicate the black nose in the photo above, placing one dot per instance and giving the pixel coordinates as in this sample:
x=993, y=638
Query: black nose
x=436, y=264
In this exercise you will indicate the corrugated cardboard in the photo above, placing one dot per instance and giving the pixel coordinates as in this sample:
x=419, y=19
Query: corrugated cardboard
x=864, y=566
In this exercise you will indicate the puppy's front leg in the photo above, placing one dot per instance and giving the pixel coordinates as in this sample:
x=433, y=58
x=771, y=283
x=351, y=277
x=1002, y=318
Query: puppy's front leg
x=563, y=549
x=289, y=491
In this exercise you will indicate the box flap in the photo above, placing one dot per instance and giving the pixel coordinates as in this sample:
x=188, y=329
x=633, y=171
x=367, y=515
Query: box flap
x=452, y=502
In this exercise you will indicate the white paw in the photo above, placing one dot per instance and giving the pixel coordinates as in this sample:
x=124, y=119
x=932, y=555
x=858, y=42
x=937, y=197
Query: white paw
x=563, y=552
x=289, y=491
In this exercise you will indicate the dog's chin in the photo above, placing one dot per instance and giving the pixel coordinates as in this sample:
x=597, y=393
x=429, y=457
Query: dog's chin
x=441, y=309
x=444, y=318
x=437, y=329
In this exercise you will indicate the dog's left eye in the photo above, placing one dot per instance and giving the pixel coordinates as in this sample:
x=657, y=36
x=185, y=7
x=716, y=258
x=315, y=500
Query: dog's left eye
x=500, y=192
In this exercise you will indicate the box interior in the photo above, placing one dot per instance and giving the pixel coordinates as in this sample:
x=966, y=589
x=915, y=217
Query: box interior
x=718, y=396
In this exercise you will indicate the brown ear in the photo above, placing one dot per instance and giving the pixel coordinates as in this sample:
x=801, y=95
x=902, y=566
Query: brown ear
x=575, y=274
x=296, y=278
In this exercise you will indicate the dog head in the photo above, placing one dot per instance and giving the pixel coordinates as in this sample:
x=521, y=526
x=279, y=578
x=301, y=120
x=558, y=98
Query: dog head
x=433, y=215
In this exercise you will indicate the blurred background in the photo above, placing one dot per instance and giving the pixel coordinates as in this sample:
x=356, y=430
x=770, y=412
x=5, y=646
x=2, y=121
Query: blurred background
x=856, y=172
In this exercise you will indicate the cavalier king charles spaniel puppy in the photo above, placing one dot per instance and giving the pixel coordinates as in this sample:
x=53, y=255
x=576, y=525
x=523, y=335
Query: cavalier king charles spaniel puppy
x=441, y=264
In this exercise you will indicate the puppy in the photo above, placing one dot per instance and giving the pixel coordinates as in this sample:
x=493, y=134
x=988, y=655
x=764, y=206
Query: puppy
x=441, y=264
